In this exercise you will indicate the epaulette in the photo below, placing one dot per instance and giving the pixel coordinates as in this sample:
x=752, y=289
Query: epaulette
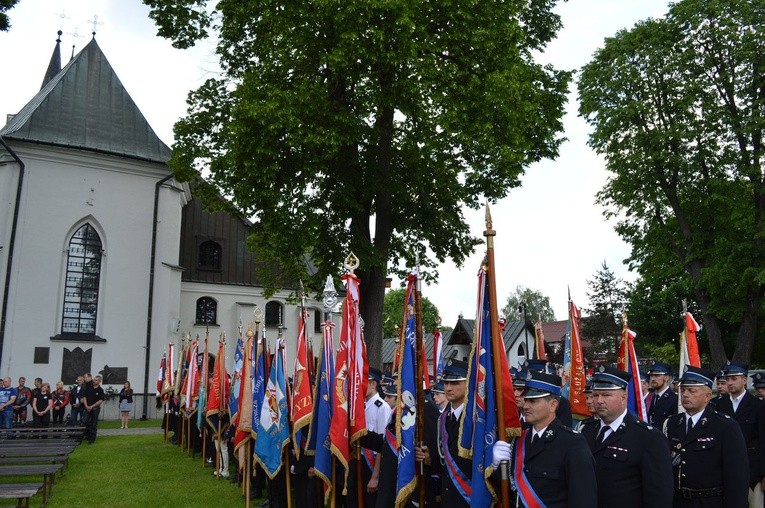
x=569, y=430
x=718, y=413
x=644, y=425
x=378, y=403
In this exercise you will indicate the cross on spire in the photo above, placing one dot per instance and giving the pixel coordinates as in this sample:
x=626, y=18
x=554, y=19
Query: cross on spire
x=95, y=24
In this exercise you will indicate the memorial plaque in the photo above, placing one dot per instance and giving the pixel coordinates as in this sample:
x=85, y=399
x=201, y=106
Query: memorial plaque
x=75, y=363
x=113, y=375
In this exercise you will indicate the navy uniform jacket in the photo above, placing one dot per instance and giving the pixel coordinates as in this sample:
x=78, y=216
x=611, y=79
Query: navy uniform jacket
x=709, y=456
x=633, y=467
x=560, y=468
x=663, y=407
x=450, y=496
x=751, y=418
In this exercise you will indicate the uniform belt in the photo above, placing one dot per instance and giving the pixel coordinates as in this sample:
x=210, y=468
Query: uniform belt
x=687, y=493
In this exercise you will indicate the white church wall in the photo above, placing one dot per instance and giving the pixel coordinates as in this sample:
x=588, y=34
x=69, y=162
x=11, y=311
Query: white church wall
x=9, y=172
x=62, y=190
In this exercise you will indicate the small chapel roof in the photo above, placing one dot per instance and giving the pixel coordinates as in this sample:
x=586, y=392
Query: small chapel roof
x=85, y=106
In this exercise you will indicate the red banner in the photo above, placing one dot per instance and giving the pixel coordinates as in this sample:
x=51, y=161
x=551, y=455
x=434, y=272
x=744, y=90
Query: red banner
x=302, y=397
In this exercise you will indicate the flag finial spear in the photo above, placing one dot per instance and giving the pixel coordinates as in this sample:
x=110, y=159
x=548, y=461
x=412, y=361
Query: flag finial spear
x=301, y=294
x=330, y=297
x=489, y=232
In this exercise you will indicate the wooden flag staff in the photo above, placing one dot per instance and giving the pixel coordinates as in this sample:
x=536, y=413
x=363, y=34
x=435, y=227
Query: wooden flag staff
x=497, y=350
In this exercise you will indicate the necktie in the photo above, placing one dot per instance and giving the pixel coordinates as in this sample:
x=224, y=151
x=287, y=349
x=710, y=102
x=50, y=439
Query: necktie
x=535, y=439
x=690, y=424
x=602, y=434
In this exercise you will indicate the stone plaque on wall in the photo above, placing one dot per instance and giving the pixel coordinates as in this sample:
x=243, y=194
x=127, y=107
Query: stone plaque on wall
x=75, y=363
x=113, y=375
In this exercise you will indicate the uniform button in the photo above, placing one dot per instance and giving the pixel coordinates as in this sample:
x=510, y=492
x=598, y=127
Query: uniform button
x=682, y=475
x=682, y=462
x=682, y=449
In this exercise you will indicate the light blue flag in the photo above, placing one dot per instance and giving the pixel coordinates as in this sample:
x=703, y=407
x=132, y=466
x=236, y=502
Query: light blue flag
x=273, y=425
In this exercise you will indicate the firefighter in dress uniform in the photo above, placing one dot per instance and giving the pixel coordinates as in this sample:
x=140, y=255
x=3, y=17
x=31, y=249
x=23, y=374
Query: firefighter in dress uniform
x=708, y=450
x=633, y=467
x=556, y=466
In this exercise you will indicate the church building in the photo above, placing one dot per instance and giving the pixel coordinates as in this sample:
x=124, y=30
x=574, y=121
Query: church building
x=104, y=257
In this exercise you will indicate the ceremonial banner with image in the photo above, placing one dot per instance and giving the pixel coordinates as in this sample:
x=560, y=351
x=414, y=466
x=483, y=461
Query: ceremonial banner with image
x=302, y=397
x=478, y=431
x=406, y=410
x=318, y=438
x=574, y=379
x=273, y=431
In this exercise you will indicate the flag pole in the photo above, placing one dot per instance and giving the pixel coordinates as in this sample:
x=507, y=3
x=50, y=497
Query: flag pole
x=420, y=408
x=497, y=350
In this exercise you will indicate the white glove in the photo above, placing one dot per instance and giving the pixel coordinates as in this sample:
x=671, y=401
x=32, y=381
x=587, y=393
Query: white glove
x=500, y=452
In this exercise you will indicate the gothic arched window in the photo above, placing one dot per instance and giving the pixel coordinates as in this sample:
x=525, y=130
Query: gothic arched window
x=83, y=276
x=207, y=311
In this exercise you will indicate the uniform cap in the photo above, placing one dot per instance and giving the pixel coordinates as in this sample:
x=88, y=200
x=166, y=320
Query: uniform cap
x=437, y=388
x=375, y=374
x=696, y=376
x=660, y=368
x=735, y=369
x=541, y=384
x=455, y=370
x=758, y=380
x=610, y=378
x=535, y=364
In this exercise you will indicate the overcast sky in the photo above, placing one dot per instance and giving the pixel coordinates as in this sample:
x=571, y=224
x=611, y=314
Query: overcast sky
x=550, y=233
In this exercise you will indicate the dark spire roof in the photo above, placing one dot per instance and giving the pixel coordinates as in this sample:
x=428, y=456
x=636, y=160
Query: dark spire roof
x=86, y=107
x=54, y=67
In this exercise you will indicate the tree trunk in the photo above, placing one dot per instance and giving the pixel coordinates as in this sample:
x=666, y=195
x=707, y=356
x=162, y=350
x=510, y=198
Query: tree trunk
x=712, y=328
x=372, y=294
x=747, y=332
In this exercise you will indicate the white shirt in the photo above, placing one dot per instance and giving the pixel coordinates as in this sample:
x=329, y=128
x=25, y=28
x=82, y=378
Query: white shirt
x=613, y=425
x=539, y=434
x=737, y=400
x=457, y=411
x=378, y=414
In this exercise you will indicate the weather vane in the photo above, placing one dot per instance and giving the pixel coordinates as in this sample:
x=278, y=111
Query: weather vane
x=95, y=23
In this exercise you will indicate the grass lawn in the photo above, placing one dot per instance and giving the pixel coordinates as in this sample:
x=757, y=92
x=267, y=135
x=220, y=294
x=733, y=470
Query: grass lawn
x=138, y=471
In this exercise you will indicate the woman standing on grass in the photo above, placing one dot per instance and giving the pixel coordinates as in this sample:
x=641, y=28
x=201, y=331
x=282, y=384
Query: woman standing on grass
x=126, y=404
x=60, y=400
x=42, y=406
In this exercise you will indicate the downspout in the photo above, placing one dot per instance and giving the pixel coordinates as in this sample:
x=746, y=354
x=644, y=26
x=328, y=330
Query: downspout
x=151, y=295
x=11, y=245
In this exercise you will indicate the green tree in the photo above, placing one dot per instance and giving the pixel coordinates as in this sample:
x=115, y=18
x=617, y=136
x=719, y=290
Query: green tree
x=5, y=21
x=536, y=305
x=677, y=110
x=393, y=311
x=603, y=325
x=365, y=126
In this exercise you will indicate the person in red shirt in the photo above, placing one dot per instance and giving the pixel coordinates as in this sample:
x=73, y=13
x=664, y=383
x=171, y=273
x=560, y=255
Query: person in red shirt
x=60, y=401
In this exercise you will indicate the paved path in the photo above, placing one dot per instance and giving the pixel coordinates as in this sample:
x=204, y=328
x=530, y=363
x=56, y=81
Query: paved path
x=129, y=431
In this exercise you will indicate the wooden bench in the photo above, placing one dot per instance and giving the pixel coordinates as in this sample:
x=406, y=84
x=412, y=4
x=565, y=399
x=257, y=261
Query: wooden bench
x=22, y=492
x=42, y=459
x=47, y=471
x=47, y=433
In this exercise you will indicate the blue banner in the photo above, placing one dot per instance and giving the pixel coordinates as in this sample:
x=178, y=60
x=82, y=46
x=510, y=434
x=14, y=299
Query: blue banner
x=406, y=413
x=318, y=439
x=479, y=424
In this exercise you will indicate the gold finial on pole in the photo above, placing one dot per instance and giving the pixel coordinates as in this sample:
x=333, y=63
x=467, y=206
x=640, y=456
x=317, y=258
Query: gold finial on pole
x=351, y=262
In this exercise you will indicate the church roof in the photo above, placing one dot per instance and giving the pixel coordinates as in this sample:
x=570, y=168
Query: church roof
x=86, y=107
